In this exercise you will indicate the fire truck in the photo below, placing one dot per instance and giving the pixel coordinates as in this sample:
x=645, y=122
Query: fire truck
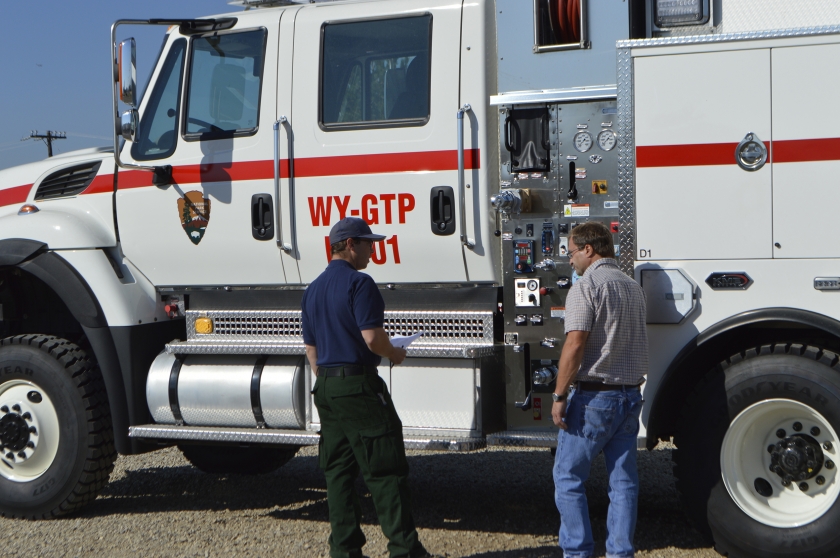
x=150, y=292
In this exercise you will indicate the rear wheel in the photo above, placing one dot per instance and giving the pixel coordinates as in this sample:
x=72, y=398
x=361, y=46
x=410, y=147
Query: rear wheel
x=757, y=454
x=55, y=428
x=225, y=460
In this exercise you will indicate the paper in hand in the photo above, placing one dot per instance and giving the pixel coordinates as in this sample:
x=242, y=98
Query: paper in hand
x=403, y=341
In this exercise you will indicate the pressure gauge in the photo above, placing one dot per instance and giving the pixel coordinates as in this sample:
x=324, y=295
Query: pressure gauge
x=606, y=140
x=532, y=285
x=583, y=141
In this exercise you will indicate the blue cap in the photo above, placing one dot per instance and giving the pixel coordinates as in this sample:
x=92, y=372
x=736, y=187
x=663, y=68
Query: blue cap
x=352, y=227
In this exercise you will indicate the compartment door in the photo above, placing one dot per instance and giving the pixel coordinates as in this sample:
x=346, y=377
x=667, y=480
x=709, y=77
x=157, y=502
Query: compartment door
x=806, y=151
x=693, y=201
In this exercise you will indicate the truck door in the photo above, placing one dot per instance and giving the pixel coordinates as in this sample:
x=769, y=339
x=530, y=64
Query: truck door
x=375, y=97
x=806, y=151
x=208, y=113
x=693, y=201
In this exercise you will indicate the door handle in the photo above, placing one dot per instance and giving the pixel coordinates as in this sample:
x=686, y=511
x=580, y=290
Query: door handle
x=441, y=205
x=262, y=226
x=462, y=190
x=285, y=246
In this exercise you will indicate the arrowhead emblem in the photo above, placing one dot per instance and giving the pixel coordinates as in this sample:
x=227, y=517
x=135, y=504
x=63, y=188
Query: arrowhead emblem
x=194, y=210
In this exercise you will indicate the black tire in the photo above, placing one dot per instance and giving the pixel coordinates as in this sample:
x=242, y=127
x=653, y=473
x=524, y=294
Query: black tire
x=62, y=374
x=226, y=460
x=795, y=372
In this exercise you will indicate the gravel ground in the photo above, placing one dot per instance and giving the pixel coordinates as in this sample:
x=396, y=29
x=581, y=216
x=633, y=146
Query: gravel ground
x=494, y=503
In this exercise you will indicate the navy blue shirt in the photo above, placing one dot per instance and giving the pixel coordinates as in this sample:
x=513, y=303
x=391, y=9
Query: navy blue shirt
x=336, y=307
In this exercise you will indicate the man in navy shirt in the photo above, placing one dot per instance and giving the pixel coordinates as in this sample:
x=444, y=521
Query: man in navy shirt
x=343, y=317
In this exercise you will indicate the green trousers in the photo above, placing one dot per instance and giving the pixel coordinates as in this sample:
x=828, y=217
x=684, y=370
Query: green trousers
x=361, y=432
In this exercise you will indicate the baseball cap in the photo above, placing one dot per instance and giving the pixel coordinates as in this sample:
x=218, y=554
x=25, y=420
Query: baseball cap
x=352, y=227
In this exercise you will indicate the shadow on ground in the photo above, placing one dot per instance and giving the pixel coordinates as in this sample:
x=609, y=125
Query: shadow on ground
x=490, y=491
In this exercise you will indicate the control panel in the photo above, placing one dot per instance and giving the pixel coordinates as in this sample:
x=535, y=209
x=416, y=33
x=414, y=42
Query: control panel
x=563, y=159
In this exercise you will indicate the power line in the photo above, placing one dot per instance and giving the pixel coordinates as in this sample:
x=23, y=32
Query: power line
x=47, y=138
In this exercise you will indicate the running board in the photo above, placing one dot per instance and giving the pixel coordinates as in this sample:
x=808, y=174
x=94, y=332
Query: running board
x=535, y=439
x=270, y=436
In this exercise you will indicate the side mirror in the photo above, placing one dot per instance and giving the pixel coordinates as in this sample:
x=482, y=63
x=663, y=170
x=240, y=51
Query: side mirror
x=127, y=61
x=128, y=124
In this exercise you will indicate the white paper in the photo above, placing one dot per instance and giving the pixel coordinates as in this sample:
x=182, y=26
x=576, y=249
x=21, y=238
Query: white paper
x=403, y=341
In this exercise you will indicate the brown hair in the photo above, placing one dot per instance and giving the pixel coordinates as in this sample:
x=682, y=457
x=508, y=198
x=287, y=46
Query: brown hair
x=338, y=247
x=596, y=235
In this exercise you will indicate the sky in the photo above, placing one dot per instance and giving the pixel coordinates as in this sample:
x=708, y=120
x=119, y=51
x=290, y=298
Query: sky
x=55, y=67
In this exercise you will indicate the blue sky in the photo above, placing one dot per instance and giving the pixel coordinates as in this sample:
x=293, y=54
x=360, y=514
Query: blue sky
x=55, y=68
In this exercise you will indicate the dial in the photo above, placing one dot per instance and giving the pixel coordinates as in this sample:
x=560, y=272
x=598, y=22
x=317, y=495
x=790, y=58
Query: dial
x=606, y=140
x=583, y=141
x=532, y=285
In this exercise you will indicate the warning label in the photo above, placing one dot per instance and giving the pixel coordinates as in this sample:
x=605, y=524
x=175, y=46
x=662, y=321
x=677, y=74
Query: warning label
x=558, y=312
x=576, y=210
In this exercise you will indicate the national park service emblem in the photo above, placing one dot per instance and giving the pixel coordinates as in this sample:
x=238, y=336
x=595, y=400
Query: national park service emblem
x=194, y=209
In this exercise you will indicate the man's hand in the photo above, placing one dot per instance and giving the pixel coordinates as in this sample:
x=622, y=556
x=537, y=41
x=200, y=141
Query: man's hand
x=379, y=343
x=558, y=413
x=397, y=356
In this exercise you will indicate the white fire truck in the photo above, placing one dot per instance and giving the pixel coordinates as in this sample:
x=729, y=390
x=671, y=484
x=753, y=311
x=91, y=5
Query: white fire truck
x=151, y=292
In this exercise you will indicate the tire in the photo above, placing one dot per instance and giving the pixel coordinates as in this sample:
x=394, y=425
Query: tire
x=226, y=460
x=781, y=399
x=55, y=428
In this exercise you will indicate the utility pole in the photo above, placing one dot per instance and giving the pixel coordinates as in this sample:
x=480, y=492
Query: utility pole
x=47, y=138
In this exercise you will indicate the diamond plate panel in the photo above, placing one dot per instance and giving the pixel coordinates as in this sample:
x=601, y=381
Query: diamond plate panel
x=288, y=437
x=523, y=439
x=278, y=332
x=440, y=328
x=728, y=37
x=626, y=163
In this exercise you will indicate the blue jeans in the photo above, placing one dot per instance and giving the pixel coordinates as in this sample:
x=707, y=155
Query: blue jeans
x=598, y=421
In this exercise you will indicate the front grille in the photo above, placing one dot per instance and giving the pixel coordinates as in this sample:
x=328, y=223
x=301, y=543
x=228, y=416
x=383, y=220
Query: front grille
x=474, y=329
x=259, y=326
x=67, y=182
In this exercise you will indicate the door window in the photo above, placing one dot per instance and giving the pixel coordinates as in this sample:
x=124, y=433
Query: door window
x=225, y=78
x=158, y=128
x=376, y=73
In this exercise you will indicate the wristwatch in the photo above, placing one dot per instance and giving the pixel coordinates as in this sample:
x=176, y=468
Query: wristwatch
x=558, y=398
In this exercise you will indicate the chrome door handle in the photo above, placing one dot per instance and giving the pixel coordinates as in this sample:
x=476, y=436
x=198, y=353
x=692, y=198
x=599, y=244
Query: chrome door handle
x=751, y=153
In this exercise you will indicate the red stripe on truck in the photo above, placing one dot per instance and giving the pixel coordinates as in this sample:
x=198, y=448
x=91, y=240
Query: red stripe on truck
x=17, y=194
x=807, y=150
x=345, y=165
x=700, y=154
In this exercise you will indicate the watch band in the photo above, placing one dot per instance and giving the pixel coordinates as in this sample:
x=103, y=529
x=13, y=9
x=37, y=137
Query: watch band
x=558, y=397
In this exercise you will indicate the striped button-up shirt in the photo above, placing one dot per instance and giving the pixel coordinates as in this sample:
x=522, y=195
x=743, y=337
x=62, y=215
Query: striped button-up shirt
x=611, y=307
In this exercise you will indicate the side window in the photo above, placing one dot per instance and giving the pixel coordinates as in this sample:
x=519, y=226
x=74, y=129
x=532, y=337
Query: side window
x=559, y=25
x=225, y=76
x=376, y=73
x=158, y=130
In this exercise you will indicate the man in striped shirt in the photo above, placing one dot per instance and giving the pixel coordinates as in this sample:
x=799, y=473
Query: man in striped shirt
x=604, y=360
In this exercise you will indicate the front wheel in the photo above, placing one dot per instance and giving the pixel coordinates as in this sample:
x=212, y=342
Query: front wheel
x=57, y=446
x=757, y=454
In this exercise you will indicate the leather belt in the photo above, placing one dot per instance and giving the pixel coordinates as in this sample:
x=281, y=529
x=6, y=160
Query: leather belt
x=600, y=386
x=347, y=370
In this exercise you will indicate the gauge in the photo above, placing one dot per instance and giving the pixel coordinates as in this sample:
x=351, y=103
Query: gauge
x=532, y=285
x=606, y=140
x=583, y=141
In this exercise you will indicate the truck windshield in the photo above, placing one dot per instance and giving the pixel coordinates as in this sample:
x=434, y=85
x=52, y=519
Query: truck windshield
x=159, y=126
x=223, y=99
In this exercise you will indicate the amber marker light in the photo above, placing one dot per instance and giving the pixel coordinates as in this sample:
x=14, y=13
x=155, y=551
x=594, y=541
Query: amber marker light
x=28, y=209
x=203, y=326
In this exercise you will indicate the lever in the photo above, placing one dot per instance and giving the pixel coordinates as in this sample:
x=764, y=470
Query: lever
x=526, y=405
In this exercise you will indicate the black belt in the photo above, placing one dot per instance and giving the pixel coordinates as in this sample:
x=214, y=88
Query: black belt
x=600, y=386
x=347, y=370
